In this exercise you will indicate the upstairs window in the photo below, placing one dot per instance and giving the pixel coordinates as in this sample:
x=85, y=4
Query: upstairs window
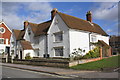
x=58, y=36
x=1, y=41
x=56, y=22
x=29, y=32
x=93, y=38
x=2, y=30
x=58, y=51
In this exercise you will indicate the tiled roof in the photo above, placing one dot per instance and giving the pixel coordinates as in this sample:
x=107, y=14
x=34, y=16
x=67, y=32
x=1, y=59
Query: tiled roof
x=19, y=34
x=80, y=24
x=41, y=28
x=26, y=45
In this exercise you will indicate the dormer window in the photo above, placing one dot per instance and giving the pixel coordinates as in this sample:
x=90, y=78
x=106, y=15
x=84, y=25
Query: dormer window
x=29, y=32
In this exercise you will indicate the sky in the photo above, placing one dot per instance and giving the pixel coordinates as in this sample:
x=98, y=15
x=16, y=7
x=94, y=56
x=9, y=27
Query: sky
x=104, y=14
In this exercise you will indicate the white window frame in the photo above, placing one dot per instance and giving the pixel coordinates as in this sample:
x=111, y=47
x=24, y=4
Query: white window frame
x=3, y=40
x=59, y=53
x=60, y=32
x=3, y=29
x=93, y=38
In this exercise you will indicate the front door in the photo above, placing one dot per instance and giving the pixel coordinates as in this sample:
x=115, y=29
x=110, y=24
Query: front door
x=20, y=54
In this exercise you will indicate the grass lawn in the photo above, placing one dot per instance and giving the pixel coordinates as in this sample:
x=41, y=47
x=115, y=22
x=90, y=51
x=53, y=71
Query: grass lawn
x=111, y=62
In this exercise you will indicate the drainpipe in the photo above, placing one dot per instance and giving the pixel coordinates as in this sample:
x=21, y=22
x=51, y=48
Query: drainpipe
x=46, y=54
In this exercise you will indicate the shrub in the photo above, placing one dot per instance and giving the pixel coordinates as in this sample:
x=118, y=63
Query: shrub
x=77, y=54
x=87, y=56
x=92, y=54
x=28, y=56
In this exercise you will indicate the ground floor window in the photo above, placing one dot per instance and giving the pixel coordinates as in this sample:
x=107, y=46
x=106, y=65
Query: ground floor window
x=58, y=51
x=37, y=52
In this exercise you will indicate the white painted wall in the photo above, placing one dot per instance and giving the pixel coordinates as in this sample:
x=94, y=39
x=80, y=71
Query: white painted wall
x=100, y=37
x=79, y=39
x=2, y=48
x=28, y=37
x=13, y=46
x=61, y=26
x=28, y=51
x=104, y=38
x=42, y=45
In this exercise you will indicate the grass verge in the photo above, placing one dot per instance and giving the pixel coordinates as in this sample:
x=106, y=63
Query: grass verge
x=111, y=62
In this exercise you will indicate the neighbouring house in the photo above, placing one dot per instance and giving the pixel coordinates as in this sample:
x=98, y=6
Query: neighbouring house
x=57, y=37
x=115, y=44
x=5, y=34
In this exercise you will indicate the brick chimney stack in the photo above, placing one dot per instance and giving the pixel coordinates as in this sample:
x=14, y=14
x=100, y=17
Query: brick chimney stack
x=53, y=13
x=26, y=23
x=89, y=16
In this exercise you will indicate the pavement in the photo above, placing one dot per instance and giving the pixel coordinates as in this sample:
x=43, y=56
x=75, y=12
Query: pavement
x=65, y=72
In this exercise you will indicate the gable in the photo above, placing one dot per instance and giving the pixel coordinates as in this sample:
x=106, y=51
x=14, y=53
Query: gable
x=6, y=33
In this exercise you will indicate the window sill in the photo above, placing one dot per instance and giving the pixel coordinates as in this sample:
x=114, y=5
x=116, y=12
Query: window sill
x=57, y=41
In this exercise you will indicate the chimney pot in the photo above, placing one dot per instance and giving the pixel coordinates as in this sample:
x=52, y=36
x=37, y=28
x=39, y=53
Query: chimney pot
x=89, y=16
x=53, y=13
x=26, y=23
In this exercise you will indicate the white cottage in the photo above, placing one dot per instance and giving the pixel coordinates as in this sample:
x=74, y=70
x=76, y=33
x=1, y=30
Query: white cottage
x=58, y=37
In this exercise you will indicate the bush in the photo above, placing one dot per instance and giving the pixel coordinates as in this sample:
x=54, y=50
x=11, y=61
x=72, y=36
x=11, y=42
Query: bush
x=87, y=56
x=92, y=54
x=77, y=54
x=28, y=56
x=78, y=57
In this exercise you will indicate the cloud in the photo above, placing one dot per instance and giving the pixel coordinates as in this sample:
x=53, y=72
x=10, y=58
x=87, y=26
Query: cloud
x=109, y=30
x=106, y=11
x=14, y=14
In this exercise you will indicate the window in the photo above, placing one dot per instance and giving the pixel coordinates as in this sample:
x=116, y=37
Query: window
x=37, y=52
x=1, y=41
x=29, y=32
x=56, y=22
x=2, y=30
x=58, y=36
x=58, y=51
x=93, y=38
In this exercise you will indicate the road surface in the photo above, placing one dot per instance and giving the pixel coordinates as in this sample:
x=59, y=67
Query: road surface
x=8, y=72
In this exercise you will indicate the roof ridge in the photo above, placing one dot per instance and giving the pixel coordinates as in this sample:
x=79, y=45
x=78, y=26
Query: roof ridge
x=73, y=17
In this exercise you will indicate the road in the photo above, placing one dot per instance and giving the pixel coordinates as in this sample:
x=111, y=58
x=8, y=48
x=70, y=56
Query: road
x=8, y=72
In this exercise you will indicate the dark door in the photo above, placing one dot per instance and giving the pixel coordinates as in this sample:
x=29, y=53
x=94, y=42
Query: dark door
x=8, y=51
x=20, y=54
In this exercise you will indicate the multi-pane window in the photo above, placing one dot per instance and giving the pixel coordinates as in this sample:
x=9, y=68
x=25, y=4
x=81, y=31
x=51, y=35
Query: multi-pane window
x=58, y=51
x=1, y=41
x=58, y=36
x=93, y=38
